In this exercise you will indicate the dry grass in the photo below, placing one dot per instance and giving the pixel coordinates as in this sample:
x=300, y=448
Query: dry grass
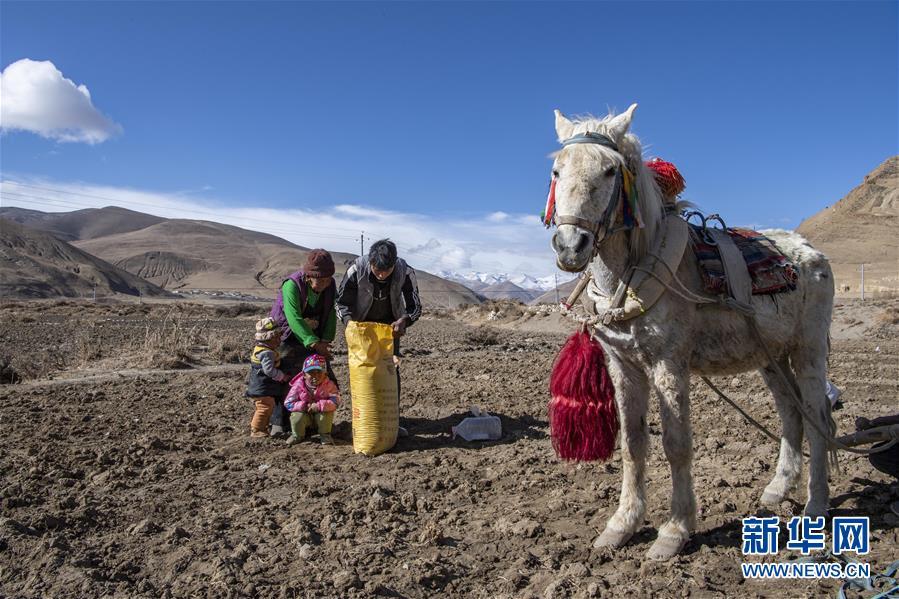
x=889, y=316
x=228, y=347
x=482, y=337
x=242, y=309
x=35, y=365
x=114, y=337
x=8, y=373
x=170, y=344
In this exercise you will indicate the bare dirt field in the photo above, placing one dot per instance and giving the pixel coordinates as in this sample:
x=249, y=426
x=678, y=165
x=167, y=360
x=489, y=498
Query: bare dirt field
x=126, y=468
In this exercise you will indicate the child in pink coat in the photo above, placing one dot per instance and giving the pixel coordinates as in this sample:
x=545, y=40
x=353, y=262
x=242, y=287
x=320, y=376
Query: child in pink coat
x=311, y=401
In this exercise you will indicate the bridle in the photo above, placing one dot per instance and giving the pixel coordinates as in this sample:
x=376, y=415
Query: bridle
x=601, y=228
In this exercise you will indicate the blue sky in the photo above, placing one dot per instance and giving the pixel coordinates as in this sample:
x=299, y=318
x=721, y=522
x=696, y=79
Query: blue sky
x=432, y=122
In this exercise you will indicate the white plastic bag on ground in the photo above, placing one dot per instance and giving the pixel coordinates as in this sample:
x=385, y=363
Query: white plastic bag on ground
x=833, y=393
x=480, y=426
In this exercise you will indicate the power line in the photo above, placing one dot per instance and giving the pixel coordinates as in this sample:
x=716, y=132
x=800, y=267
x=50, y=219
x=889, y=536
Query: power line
x=309, y=232
x=135, y=203
x=54, y=202
x=293, y=229
x=305, y=230
x=319, y=232
x=420, y=289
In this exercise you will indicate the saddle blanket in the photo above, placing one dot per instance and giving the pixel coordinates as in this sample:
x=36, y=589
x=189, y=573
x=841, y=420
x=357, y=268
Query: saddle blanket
x=770, y=271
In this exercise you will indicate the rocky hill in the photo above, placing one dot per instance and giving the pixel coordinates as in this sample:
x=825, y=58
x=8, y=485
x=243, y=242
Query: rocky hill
x=37, y=264
x=508, y=290
x=860, y=229
x=549, y=297
x=201, y=257
x=81, y=224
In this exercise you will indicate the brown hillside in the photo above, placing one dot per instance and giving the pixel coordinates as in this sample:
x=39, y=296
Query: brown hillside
x=37, y=264
x=189, y=255
x=81, y=224
x=860, y=229
x=549, y=297
x=508, y=290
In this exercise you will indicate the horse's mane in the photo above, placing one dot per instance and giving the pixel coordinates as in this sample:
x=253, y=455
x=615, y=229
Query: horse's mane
x=649, y=198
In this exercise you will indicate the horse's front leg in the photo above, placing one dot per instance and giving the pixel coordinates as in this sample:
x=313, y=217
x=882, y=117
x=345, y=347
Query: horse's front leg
x=672, y=383
x=631, y=397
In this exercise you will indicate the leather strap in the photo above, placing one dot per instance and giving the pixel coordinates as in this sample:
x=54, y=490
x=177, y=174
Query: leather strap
x=604, y=222
x=591, y=138
x=577, y=221
x=739, y=283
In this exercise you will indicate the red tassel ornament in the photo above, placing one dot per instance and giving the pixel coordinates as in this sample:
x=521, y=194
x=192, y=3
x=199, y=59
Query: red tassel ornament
x=669, y=179
x=549, y=210
x=583, y=419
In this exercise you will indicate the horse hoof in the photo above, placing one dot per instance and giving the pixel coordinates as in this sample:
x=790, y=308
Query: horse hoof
x=665, y=548
x=612, y=538
x=814, y=512
x=770, y=499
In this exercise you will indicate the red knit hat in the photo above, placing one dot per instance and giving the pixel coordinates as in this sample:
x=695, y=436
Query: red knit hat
x=319, y=264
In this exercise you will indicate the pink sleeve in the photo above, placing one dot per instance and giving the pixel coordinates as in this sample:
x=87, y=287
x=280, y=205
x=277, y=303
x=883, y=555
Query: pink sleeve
x=331, y=398
x=326, y=405
x=295, y=397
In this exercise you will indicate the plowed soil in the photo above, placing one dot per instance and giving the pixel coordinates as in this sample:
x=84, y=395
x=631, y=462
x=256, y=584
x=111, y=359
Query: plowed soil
x=121, y=480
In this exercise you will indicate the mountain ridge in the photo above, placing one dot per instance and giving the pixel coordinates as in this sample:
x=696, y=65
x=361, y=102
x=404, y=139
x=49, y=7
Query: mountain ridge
x=203, y=257
x=36, y=264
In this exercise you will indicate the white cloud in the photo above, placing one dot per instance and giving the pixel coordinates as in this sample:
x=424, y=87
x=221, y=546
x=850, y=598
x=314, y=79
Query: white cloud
x=517, y=244
x=497, y=217
x=35, y=97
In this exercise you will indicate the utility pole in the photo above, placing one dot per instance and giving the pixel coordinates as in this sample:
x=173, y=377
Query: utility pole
x=556, y=277
x=140, y=296
x=95, y=293
x=863, y=281
x=362, y=243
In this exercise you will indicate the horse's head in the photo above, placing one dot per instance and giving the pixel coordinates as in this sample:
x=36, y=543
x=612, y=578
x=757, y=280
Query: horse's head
x=587, y=180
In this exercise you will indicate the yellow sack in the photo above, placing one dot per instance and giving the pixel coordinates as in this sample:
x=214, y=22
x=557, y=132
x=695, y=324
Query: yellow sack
x=373, y=384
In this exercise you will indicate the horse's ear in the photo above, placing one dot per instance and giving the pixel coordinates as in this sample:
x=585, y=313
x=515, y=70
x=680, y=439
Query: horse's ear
x=619, y=125
x=564, y=127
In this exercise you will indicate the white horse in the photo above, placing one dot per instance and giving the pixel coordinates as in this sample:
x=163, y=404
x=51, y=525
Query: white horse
x=658, y=350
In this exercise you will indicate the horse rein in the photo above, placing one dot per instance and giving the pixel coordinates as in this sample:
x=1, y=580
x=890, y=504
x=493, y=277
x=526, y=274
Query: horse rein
x=602, y=225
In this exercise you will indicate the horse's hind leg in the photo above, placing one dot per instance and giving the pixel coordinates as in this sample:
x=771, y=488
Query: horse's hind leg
x=631, y=397
x=672, y=383
x=810, y=365
x=789, y=463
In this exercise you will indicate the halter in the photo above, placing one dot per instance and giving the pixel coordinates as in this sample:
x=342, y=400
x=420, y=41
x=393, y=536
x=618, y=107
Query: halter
x=624, y=193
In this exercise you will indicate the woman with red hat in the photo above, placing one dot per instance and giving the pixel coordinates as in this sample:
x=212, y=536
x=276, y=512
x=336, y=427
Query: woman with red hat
x=304, y=311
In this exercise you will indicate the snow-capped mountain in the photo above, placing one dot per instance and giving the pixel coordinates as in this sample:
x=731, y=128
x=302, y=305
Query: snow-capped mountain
x=478, y=280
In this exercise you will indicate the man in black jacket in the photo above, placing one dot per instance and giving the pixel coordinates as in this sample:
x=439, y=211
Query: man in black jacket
x=381, y=288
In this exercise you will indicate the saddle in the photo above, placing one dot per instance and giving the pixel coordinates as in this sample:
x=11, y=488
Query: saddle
x=734, y=260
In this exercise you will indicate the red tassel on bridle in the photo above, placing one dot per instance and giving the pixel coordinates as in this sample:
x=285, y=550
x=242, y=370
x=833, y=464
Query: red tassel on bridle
x=583, y=419
x=549, y=210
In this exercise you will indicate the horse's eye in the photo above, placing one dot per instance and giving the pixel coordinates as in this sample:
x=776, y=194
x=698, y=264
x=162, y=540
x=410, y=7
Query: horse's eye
x=555, y=174
x=592, y=190
x=609, y=171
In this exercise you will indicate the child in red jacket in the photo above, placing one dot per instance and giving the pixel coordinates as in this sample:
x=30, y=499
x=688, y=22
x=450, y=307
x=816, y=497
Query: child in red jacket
x=311, y=401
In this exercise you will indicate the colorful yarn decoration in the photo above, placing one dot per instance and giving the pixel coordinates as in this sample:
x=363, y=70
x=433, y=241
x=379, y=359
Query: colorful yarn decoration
x=668, y=178
x=547, y=215
x=583, y=418
x=630, y=208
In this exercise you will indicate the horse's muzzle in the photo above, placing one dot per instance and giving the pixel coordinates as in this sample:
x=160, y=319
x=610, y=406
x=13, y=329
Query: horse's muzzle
x=573, y=247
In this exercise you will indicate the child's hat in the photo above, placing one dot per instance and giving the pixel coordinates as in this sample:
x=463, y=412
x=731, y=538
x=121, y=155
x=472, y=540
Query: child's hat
x=314, y=362
x=266, y=329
